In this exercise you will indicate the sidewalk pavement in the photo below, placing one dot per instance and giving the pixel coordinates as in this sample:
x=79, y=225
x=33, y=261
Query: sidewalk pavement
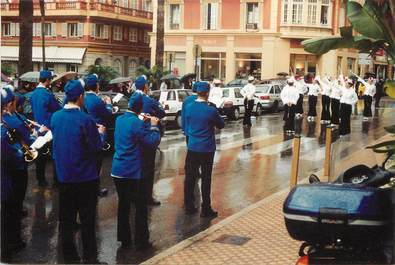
x=255, y=235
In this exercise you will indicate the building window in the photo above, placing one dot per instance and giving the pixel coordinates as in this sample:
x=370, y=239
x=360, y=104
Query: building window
x=252, y=16
x=117, y=33
x=146, y=37
x=147, y=5
x=133, y=4
x=132, y=68
x=117, y=66
x=350, y=64
x=123, y=3
x=285, y=11
x=174, y=16
x=72, y=29
x=324, y=12
x=297, y=11
x=100, y=31
x=210, y=15
x=312, y=12
x=213, y=65
x=98, y=61
x=6, y=29
x=133, y=35
x=72, y=67
x=248, y=64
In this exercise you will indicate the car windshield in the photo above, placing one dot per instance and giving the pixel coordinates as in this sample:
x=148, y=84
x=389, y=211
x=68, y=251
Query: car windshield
x=225, y=93
x=237, y=82
x=155, y=95
x=262, y=89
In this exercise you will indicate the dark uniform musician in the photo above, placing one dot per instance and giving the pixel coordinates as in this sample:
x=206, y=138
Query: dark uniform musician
x=200, y=123
x=44, y=105
x=76, y=142
x=150, y=107
x=132, y=136
x=99, y=110
x=14, y=166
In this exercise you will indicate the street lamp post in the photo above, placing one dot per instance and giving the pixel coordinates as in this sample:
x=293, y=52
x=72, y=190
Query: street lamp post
x=42, y=10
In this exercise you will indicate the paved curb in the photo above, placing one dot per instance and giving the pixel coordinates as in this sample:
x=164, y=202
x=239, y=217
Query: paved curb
x=189, y=241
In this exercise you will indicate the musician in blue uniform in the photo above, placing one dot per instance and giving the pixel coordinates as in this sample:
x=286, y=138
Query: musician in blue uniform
x=186, y=102
x=44, y=105
x=132, y=136
x=152, y=108
x=76, y=142
x=200, y=121
x=100, y=111
x=7, y=218
x=18, y=167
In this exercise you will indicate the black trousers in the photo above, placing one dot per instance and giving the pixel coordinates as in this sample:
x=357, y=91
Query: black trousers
x=345, y=119
x=325, y=113
x=335, y=108
x=248, y=106
x=41, y=163
x=132, y=190
x=193, y=162
x=367, y=110
x=78, y=199
x=299, y=104
x=7, y=227
x=312, y=106
x=19, y=180
x=377, y=99
x=149, y=170
x=289, y=117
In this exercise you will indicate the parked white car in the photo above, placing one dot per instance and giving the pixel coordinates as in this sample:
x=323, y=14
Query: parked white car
x=233, y=103
x=171, y=101
x=268, y=97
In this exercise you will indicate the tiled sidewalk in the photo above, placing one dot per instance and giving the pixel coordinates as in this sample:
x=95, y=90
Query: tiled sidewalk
x=255, y=235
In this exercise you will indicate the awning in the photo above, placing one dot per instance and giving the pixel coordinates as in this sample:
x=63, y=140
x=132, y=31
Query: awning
x=53, y=54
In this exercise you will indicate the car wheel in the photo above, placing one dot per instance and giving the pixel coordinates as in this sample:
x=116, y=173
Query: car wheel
x=236, y=114
x=178, y=120
x=275, y=106
x=258, y=110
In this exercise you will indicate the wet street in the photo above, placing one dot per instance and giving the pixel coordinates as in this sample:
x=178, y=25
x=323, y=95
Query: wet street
x=250, y=164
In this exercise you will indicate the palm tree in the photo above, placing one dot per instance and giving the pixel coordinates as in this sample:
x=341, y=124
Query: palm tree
x=160, y=32
x=25, y=63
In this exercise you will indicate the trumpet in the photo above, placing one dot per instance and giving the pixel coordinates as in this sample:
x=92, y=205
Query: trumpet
x=29, y=154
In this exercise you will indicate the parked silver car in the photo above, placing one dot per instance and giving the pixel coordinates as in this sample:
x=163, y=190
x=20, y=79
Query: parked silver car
x=268, y=97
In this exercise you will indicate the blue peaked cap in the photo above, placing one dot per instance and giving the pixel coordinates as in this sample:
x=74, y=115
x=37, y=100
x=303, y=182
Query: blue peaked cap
x=46, y=74
x=136, y=102
x=203, y=87
x=140, y=82
x=73, y=89
x=91, y=80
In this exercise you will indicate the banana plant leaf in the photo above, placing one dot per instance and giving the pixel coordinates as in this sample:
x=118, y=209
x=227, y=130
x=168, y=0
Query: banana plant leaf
x=390, y=129
x=383, y=144
x=365, y=20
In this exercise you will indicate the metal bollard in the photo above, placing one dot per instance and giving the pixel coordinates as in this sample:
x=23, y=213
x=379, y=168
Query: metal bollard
x=328, y=146
x=295, y=161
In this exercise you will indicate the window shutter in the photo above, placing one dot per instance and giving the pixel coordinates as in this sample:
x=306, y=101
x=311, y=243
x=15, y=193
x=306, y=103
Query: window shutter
x=93, y=28
x=176, y=18
x=12, y=29
x=214, y=15
x=171, y=19
x=64, y=29
x=38, y=28
x=256, y=13
x=105, y=32
x=53, y=29
x=205, y=16
x=80, y=29
x=16, y=29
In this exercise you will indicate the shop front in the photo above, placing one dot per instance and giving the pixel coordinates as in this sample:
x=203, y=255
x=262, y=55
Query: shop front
x=248, y=64
x=303, y=64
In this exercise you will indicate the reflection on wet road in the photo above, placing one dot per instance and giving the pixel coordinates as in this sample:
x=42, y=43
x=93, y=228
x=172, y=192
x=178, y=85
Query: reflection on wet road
x=250, y=164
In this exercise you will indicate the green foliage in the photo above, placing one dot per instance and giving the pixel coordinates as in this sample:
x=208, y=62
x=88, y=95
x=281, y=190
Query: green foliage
x=105, y=73
x=7, y=69
x=153, y=75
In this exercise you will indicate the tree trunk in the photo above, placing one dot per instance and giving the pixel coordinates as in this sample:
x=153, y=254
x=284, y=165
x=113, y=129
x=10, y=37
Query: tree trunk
x=25, y=63
x=160, y=32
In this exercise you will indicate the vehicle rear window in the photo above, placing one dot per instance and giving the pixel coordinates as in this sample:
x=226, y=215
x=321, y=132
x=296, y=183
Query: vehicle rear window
x=262, y=89
x=171, y=95
x=182, y=94
x=225, y=93
x=237, y=93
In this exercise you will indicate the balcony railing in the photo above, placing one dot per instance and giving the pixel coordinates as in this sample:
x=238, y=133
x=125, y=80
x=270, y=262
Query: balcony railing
x=82, y=5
